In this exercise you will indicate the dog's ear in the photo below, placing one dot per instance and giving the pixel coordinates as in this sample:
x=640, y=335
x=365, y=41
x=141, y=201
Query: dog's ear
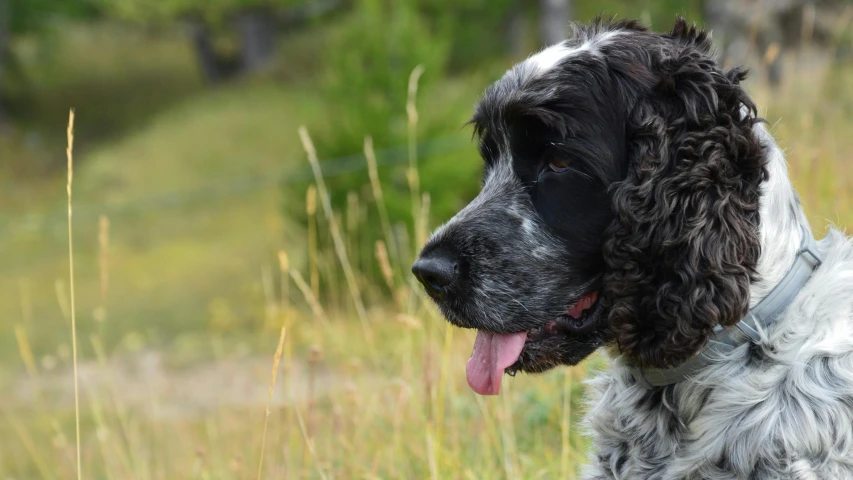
x=683, y=246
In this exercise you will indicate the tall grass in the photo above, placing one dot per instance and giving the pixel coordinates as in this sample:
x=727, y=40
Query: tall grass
x=273, y=374
x=70, y=155
x=370, y=379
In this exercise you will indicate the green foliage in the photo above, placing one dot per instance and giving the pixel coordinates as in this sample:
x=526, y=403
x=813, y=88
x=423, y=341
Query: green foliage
x=29, y=15
x=369, y=59
x=477, y=28
x=659, y=14
x=147, y=11
x=368, y=64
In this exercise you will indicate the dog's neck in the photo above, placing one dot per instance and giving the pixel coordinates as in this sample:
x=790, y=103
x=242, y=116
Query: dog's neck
x=780, y=218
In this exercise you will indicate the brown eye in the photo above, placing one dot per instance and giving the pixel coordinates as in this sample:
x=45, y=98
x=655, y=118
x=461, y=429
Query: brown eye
x=559, y=164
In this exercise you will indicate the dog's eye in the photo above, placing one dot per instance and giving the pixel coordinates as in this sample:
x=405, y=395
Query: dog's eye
x=559, y=164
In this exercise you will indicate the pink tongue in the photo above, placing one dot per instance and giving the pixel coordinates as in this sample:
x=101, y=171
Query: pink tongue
x=492, y=354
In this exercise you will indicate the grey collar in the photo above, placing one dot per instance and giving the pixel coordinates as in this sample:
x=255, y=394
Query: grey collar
x=759, y=318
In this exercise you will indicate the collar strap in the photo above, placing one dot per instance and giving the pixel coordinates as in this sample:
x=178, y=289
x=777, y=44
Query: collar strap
x=759, y=318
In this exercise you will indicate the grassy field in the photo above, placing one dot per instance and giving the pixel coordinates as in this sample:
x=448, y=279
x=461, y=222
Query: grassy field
x=183, y=289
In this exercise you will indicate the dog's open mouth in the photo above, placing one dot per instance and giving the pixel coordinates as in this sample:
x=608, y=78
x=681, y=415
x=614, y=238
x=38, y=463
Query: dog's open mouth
x=495, y=353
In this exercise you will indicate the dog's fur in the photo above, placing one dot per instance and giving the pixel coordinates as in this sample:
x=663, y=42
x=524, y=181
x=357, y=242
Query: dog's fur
x=675, y=205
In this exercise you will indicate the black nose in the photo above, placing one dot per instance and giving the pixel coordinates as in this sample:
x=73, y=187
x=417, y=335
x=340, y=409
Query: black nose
x=436, y=270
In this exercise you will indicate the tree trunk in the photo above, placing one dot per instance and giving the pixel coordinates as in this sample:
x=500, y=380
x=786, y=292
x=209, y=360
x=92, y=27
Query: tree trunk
x=257, y=31
x=209, y=62
x=554, y=18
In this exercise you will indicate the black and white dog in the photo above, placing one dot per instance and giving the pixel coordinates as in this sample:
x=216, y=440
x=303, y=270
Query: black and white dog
x=633, y=201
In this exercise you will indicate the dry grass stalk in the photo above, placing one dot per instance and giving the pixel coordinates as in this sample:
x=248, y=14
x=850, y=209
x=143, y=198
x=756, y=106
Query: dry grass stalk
x=385, y=264
x=353, y=218
x=287, y=417
x=26, y=351
x=379, y=198
x=316, y=308
x=69, y=154
x=311, y=210
x=276, y=360
x=408, y=321
x=309, y=444
x=412, y=173
x=327, y=263
x=284, y=267
x=340, y=248
x=422, y=220
x=24, y=348
x=28, y=443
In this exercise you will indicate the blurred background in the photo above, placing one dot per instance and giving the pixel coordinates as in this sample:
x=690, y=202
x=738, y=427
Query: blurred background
x=201, y=229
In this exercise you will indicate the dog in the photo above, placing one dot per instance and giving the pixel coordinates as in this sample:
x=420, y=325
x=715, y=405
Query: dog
x=633, y=202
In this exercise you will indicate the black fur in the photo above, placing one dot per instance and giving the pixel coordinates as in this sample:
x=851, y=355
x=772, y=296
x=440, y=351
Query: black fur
x=658, y=210
x=684, y=245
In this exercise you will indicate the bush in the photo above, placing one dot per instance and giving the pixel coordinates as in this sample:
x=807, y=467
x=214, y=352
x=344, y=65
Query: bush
x=370, y=57
x=368, y=64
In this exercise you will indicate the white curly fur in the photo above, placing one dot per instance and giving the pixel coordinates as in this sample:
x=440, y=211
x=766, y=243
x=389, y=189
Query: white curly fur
x=779, y=409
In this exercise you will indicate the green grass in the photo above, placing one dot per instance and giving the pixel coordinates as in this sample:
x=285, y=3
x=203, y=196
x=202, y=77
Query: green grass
x=172, y=247
x=174, y=375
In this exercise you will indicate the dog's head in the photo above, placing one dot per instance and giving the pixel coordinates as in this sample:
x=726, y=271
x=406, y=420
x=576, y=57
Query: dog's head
x=619, y=205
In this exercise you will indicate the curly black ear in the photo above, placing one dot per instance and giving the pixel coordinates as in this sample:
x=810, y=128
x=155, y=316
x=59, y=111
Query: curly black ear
x=682, y=249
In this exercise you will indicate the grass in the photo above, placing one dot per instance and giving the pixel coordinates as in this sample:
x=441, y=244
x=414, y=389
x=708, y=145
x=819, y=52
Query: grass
x=73, y=310
x=181, y=307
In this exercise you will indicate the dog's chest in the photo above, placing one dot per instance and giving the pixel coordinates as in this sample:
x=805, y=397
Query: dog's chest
x=774, y=428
